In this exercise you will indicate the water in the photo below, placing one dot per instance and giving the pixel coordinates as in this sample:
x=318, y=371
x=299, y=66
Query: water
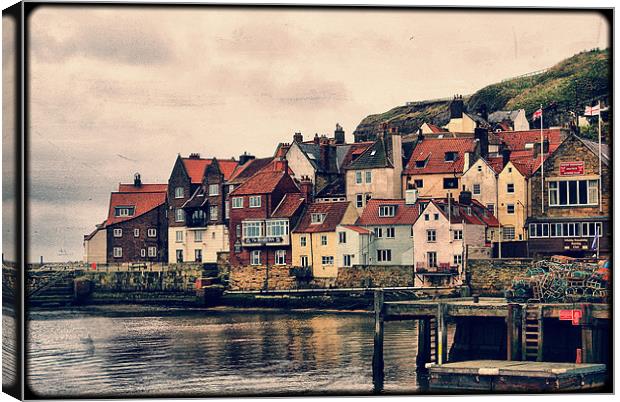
x=142, y=351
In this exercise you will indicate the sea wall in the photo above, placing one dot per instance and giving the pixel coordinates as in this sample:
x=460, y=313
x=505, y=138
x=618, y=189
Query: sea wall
x=491, y=277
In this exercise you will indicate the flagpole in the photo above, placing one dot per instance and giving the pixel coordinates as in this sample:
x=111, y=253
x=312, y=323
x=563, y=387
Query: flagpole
x=600, y=171
x=542, y=167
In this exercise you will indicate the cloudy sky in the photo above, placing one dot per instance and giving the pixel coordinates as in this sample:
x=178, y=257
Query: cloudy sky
x=120, y=90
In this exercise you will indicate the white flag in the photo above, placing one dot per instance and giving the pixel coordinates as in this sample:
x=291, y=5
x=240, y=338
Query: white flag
x=593, y=110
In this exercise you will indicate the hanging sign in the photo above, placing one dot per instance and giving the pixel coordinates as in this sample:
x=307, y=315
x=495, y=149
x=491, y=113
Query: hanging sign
x=571, y=315
x=572, y=168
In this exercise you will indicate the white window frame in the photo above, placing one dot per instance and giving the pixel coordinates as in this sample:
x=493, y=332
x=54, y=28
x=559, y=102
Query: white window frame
x=358, y=177
x=510, y=188
x=237, y=202
x=378, y=232
x=214, y=189
x=136, y=233
x=390, y=232
x=476, y=189
x=303, y=261
x=457, y=259
x=508, y=230
x=327, y=260
x=117, y=252
x=384, y=255
x=592, y=197
x=359, y=200
x=226, y=209
x=431, y=235
x=387, y=210
x=142, y=252
x=457, y=234
x=255, y=257
x=118, y=232
x=179, y=215
x=213, y=212
x=151, y=232
x=255, y=201
x=152, y=251
x=508, y=209
x=342, y=237
x=198, y=236
x=280, y=257
x=347, y=260
x=179, y=194
x=275, y=228
x=317, y=218
x=249, y=229
x=178, y=236
x=303, y=241
x=537, y=230
x=432, y=262
x=368, y=176
x=323, y=240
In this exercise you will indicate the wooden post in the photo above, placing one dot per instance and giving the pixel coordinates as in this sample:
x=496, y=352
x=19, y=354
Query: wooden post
x=586, y=334
x=377, y=358
x=442, y=334
x=541, y=334
x=424, y=343
x=513, y=331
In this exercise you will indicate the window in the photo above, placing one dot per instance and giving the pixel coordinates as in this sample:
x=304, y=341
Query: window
x=152, y=251
x=480, y=168
x=384, y=255
x=359, y=200
x=378, y=232
x=491, y=208
x=213, y=212
x=508, y=233
x=323, y=240
x=358, y=177
x=118, y=252
x=450, y=156
x=198, y=255
x=317, y=218
x=302, y=241
x=303, y=260
x=458, y=234
x=124, y=211
x=431, y=235
x=214, y=189
x=450, y=182
x=142, y=252
x=368, y=176
x=179, y=236
x=255, y=201
x=390, y=233
x=280, y=258
x=510, y=209
x=436, y=217
x=252, y=229
x=431, y=259
x=342, y=237
x=347, y=260
x=198, y=236
x=118, y=232
x=411, y=231
x=231, y=188
x=573, y=192
x=327, y=260
x=179, y=215
x=238, y=230
x=237, y=247
x=510, y=188
x=509, y=170
x=277, y=228
x=179, y=192
x=151, y=232
x=427, y=217
x=476, y=189
x=226, y=209
x=421, y=164
x=458, y=259
x=255, y=257
x=237, y=202
x=539, y=230
x=136, y=233
x=387, y=210
x=419, y=183
x=179, y=255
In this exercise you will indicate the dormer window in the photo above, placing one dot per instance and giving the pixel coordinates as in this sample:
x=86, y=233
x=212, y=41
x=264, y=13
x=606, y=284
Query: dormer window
x=420, y=164
x=529, y=145
x=450, y=156
x=317, y=218
x=178, y=192
x=124, y=211
x=387, y=210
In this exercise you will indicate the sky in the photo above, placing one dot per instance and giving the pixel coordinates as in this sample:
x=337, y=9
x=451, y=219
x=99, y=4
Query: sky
x=119, y=90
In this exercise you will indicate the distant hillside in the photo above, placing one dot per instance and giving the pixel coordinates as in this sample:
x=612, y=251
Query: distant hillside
x=567, y=86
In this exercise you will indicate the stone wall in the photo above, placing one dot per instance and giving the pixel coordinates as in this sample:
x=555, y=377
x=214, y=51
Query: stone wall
x=375, y=276
x=491, y=277
x=281, y=277
x=176, y=278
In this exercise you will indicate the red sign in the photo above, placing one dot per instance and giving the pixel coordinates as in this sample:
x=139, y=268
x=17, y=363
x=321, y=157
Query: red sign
x=571, y=315
x=571, y=168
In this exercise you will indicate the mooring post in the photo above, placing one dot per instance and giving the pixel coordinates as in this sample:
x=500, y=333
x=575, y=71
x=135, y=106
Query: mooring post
x=424, y=343
x=377, y=358
x=513, y=331
x=442, y=334
x=586, y=334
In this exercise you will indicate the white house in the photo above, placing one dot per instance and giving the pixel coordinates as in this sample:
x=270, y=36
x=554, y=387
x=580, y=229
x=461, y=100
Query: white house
x=353, y=245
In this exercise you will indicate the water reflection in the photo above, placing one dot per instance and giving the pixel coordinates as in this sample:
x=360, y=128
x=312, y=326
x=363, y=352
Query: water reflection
x=213, y=352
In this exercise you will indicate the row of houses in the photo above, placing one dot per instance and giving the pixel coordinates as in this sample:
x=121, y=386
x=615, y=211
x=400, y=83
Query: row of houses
x=428, y=200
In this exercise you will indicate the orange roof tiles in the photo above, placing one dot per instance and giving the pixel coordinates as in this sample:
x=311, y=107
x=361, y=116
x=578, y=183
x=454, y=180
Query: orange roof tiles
x=433, y=150
x=142, y=202
x=144, y=188
x=357, y=229
x=406, y=214
x=516, y=140
x=288, y=206
x=195, y=167
x=263, y=182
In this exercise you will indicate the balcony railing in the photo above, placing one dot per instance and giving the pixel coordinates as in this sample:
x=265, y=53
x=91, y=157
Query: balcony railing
x=441, y=268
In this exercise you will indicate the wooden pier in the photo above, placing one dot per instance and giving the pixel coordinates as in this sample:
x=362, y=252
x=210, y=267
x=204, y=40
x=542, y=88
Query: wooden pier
x=493, y=329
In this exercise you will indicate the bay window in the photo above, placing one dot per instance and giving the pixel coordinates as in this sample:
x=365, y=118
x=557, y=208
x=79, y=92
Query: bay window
x=277, y=228
x=252, y=229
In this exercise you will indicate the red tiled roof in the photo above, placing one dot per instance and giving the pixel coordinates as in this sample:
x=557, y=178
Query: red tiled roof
x=334, y=213
x=434, y=150
x=263, y=182
x=516, y=140
x=526, y=163
x=357, y=229
x=406, y=214
x=227, y=167
x=288, y=206
x=496, y=163
x=144, y=188
x=195, y=168
x=248, y=169
x=436, y=129
x=142, y=202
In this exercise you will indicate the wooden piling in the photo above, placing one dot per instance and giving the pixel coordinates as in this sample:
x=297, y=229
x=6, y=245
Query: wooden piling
x=513, y=332
x=586, y=334
x=377, y=358
x=424, y=343
x=442, y=334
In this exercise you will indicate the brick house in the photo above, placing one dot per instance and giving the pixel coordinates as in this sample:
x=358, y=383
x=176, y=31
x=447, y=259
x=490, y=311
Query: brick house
x=136, y=227
x=568, y=212
x=263, y=211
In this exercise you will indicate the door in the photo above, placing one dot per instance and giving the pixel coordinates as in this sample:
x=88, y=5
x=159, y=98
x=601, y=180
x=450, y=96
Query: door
x=198, y=255
x=179, y=255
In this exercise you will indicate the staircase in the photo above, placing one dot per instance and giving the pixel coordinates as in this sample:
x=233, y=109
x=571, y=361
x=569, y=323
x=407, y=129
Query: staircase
x=434, y=340
x=532, y=330
x=53, y=290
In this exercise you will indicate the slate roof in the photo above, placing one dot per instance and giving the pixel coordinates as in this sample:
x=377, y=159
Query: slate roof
x=374, y=156
x=197, y=199
x=144, y=188
x=334, y=213
x=479, y=214
x=98, y=227
x=334, y=189
x=476, y=118
x=357, y=229
x=406, y=214
x=353, y=151
x=433, y=151
x=503, y=115
x=142, y=202
x=288, y=206
x=593, y=146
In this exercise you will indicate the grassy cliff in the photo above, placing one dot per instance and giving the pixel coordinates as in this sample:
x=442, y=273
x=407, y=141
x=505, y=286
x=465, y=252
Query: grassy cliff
x=567, y=86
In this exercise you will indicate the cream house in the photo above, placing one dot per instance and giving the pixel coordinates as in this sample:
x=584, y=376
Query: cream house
x=481, y=180
x=513, y=195
x=315, y=240
x=353, y=245
x=95, y=245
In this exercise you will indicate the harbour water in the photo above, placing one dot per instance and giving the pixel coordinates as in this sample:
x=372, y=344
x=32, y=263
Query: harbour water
x=152, y=351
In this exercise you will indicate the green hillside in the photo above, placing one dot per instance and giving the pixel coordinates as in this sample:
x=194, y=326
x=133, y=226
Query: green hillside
x=565, y=87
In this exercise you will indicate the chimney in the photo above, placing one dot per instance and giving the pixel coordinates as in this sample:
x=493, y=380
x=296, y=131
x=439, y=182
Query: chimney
x=466, y=161
x=546, y=145
x=324, y=148
x=316, y=138
x=420, y=134
x=281, y=165
x=456, y=107
x=298, y=137
x=305, y=185
x=465, y=197
x=536, y=149
x=243, y=159
x=482, y=134
x=339, y=134
x=505, y=156
x=137, y=182
x=194, y=155
x=411, y=196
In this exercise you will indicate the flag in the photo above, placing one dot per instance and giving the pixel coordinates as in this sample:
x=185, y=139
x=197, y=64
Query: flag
x=594, y=241
x=537, y=114
x=593, y=110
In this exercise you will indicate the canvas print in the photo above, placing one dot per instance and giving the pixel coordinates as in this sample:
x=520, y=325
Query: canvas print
x=238, y=200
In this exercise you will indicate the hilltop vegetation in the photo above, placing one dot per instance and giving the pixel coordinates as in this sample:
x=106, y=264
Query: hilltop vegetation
x=567, y=86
